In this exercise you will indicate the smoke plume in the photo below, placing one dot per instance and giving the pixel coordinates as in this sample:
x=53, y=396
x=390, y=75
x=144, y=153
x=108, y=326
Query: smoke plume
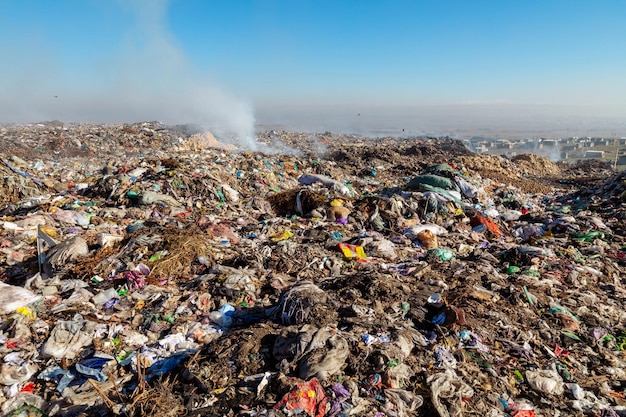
x=148, y=77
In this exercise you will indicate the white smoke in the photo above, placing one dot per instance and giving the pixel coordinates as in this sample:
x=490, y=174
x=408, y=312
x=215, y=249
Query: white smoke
x=551, y=151
x=149, y=78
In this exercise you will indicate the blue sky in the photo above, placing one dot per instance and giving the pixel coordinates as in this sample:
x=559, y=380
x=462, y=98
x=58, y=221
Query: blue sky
x=267, y=59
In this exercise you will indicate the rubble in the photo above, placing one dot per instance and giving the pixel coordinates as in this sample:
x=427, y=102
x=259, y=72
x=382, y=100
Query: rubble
x=151, y=270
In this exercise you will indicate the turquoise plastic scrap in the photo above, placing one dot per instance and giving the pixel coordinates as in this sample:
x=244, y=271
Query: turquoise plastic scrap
x=441, y=253
x=564, y=310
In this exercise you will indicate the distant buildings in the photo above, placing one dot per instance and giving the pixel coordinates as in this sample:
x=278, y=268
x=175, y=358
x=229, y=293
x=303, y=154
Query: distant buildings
x=572, y=148
x=594, y=154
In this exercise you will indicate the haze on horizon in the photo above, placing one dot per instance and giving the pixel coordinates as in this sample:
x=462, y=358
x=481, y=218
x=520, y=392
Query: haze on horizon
x=458, y=68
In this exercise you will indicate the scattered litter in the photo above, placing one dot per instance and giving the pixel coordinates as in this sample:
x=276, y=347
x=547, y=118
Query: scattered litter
x=146, y=270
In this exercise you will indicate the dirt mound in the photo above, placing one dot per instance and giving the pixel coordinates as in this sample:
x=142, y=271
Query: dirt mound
x=505, y=171
x=535, y=165
x=491, y=163
x=206, y=140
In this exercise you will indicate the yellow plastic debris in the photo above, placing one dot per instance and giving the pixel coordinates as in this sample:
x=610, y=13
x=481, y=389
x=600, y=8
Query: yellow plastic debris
x=282, y=236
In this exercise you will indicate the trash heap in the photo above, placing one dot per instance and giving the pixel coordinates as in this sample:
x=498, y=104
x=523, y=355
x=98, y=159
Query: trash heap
x=150, y=270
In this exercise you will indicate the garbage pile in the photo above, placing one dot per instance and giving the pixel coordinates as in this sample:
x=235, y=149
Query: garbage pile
x=150, y=270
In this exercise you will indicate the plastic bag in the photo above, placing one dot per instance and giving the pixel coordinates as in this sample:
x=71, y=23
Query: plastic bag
x=545, y=381
x=13, y=297
x=308, y=396
x=448, y=391
x=68, y=338
x=401, y=403
x=352, y=251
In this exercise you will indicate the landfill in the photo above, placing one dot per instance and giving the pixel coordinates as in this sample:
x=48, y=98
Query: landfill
x=152, y=270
